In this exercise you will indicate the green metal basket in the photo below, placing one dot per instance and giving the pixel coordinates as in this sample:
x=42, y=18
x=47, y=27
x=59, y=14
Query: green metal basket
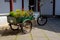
x=14, y=20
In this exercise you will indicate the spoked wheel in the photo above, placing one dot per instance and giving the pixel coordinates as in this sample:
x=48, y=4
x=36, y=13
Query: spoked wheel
x=41, y=20
x=14, y=27
x=27, y=27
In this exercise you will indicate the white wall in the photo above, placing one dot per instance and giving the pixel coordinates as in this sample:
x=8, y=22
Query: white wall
x=4, y=7
x=3, y=20
x=18, y=5
x=57, y=10
x=47, y=7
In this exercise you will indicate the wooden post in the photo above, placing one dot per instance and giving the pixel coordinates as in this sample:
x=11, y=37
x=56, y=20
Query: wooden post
x=11, y=5
x=38, y=5
x=22, y=5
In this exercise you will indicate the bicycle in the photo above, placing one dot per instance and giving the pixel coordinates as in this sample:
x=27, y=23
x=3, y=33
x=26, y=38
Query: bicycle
x=41, y=20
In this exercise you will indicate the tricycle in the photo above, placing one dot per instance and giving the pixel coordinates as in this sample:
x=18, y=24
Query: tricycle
x=22, y=22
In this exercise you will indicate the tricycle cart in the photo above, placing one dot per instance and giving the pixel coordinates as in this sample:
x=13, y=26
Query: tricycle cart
x=21, y=22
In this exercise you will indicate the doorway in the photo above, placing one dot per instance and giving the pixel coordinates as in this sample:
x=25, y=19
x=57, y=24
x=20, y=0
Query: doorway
x=32, y=2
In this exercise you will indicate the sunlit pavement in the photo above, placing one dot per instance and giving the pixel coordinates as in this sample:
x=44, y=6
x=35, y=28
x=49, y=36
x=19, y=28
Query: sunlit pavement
x=50, y=31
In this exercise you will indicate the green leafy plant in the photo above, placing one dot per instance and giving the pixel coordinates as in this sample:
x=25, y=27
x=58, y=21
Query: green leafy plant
x=12, y=13
x=19, y=13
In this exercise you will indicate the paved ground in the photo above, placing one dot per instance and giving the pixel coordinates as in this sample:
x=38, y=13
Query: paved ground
x=51, y=31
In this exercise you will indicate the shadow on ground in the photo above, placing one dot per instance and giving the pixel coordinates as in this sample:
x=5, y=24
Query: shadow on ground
x=10, y=32
x=53, y=25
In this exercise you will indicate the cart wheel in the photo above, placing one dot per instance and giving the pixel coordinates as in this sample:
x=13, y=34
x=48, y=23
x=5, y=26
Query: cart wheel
x=14, y=27
x=41, y=20
x=27, y=27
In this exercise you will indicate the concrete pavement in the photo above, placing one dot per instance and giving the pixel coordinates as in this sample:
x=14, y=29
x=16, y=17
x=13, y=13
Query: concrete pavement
x=50, y=31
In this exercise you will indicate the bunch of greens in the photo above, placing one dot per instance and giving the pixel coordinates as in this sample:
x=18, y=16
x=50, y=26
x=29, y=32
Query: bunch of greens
x=20, y=13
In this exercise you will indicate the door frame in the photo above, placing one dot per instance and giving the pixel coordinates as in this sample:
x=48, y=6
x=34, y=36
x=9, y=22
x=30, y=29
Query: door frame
x=53, y=7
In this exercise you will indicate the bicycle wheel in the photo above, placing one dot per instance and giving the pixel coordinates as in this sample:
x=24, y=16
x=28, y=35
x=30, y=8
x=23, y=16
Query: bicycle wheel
x=14, y=27
x=41, y=20
x=27, y=27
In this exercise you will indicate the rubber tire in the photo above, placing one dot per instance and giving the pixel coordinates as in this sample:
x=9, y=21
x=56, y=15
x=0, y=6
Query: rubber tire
x=30, y=27
x=42, y=18
x=12, y=28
